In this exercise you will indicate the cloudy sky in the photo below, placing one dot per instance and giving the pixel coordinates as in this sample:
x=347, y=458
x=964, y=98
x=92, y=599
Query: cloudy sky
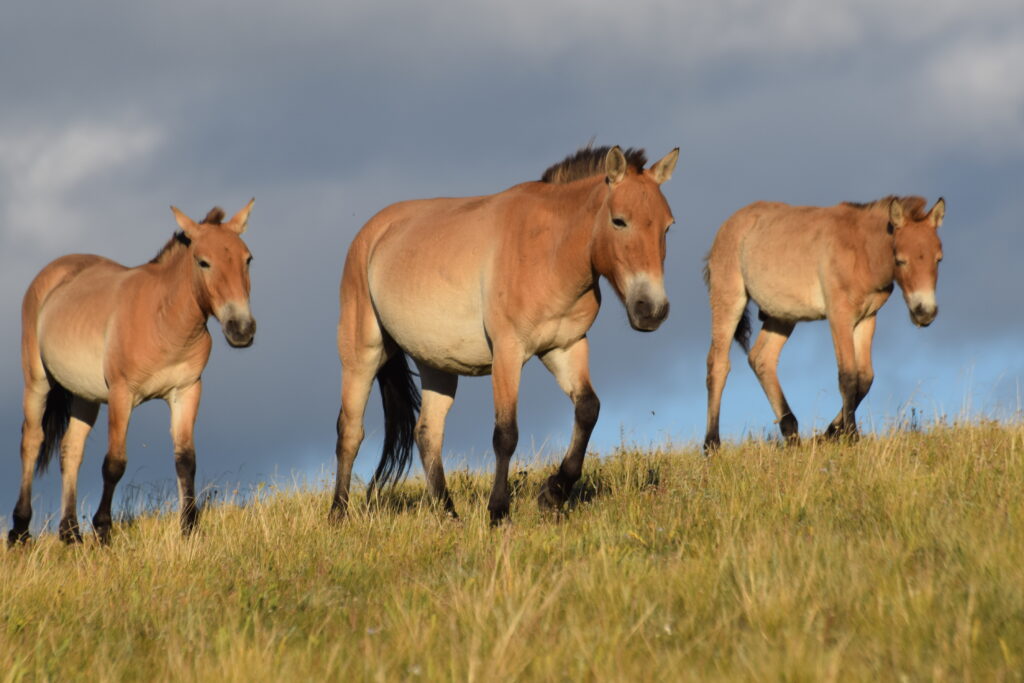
x=327, y=112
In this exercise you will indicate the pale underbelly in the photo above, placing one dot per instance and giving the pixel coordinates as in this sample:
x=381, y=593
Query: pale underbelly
x=443, y=340
x=806, y=303
x=79, y=370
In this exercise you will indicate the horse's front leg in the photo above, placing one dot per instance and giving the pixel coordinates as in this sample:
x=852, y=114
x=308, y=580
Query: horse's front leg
x=184, y=405
x=119, y=409
x=506, y=369
x=863, y=334
x=571, y=369
x=842, y=326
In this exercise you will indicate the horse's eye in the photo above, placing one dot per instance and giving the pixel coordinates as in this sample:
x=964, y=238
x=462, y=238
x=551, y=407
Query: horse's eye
x=203, y=263
x=901, y=261
x=248, y=260
x=619, y=222
x=938, y=259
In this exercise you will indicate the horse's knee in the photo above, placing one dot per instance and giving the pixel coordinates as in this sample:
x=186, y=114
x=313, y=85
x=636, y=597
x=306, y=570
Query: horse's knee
x=506, y=437
x=848, y=384
x=588, y=407
x=114, y=466
x=185, y=463
x=864, y=381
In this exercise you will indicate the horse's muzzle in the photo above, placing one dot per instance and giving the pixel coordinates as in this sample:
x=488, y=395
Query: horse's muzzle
x=923, y=316
x=646, y=315
x=240, y=332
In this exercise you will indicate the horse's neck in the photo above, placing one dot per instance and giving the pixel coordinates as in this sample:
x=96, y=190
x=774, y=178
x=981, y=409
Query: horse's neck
x=181, y=311
x=879, y=243
x=576, y=247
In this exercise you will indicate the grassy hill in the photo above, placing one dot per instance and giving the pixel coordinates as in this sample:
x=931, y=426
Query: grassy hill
x=898, y=556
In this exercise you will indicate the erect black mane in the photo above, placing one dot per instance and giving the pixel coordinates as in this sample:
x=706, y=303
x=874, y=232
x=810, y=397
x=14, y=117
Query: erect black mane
x=588, y=161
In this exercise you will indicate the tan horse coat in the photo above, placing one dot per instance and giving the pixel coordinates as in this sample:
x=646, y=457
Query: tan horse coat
x=808, y=263
x=94, y=331
x=478, y=285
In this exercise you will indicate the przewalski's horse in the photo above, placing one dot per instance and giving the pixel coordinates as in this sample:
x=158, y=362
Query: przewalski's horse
x=808, y=263
x=478, y=285
x=94, y=331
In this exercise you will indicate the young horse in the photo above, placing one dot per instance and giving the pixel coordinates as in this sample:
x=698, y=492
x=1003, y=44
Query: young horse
x=478, y=285
x=94, y=331
x=809, y=263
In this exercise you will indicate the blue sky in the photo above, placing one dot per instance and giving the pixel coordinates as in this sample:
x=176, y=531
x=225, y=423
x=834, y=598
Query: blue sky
x=327, y=112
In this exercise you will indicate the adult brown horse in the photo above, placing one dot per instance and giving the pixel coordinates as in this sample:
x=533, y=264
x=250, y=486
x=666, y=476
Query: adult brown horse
x=478, y=285
x=94, y=331
x=808, y=263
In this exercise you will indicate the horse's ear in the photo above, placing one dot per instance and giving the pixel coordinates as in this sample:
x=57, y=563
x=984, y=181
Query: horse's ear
x=187, y=225
x=240, y=220
x=662, y=171
x=938, y=212
x=614, y=166
x=896, y=217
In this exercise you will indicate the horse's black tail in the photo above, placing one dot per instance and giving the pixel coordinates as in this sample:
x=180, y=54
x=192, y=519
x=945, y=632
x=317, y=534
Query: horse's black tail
x=401, y=398
x=742, y=333
x=55, y=422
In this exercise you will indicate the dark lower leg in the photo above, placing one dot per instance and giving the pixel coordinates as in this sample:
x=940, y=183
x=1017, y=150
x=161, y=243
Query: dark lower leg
x=506, y=437
x=113, y=470
x=21, y=517
x=345, y=454
x=558, y=486
x=185, y=466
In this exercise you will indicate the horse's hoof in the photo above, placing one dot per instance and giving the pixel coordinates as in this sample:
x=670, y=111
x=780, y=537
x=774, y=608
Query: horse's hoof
x=103, y=534
x=69, y=533
x=15, y=537
x=550, y=497
x=337, y=514
x=499, y=517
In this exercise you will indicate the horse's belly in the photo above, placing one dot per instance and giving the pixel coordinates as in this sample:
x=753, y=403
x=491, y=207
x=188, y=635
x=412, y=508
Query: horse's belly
x=448, y=338
x=789, y=303
x=77, y=367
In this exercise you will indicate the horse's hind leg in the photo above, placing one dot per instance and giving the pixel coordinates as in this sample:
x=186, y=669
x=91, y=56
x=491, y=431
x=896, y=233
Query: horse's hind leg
x=764, y=360
x=728, y=299
x=572, y=371
x=361, y=349
x=184, y=405
x=438, y=395
x=863, y=334
x=83, y=417
x=34, y=404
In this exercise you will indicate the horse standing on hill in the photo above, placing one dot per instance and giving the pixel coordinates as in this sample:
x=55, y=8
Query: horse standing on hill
x=478, y=285
x=807, y=263
x=94, y=331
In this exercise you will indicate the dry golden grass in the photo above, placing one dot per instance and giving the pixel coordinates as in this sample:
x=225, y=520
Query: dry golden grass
x=897, y=557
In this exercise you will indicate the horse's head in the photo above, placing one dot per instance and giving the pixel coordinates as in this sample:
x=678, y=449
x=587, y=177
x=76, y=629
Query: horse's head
x=917, y=250
x=220, y=262
x=629, y=236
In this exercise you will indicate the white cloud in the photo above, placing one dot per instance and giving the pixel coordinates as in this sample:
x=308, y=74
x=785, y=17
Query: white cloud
x=978, y=86
x=41, y=169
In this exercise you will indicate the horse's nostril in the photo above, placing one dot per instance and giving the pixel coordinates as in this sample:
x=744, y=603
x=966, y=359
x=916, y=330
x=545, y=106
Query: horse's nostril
x=642, y=308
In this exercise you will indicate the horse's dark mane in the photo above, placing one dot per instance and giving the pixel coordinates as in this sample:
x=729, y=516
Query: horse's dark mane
x=588, y=161
x=214, y=217
x=912, y=204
